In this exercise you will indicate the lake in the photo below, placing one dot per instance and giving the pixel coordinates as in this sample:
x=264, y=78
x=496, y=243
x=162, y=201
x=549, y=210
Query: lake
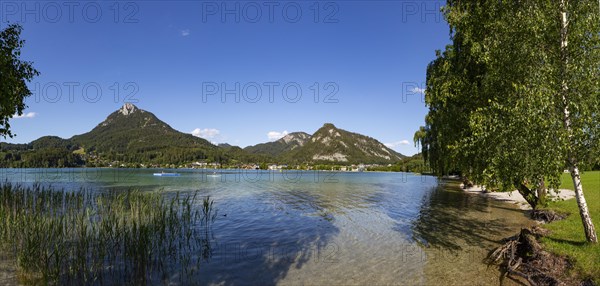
x=315, y=227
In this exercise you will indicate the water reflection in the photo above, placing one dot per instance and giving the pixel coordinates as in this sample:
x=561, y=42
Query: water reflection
x=458, y=230
x=266, y=234
x=450, y=219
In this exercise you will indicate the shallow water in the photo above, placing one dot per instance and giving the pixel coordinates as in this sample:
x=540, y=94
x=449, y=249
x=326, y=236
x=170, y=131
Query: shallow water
x=322, y=227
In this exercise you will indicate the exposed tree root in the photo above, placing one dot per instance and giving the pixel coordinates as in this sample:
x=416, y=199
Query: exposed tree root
x=521, y=256
x=547, y=215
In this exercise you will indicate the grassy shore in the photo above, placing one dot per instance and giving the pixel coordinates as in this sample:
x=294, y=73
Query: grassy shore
x=567, y=237
x=128, y=237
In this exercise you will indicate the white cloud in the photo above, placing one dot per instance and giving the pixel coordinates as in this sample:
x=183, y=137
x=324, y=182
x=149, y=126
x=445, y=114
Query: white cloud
x=274, y=135
x=418, y=90
x=397, y=144
x=185, y=33
x=206, y=133
x=25, y=115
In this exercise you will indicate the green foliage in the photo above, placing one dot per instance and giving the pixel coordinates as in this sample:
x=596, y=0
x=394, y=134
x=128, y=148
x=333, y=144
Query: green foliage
x=495, y=96
x=25, y=156
x=413, y=164
x=52, y=142
x=14, y=74
x=236, y=155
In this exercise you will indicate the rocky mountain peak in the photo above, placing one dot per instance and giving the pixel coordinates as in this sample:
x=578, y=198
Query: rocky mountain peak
x=127, y=109
x=299, y=137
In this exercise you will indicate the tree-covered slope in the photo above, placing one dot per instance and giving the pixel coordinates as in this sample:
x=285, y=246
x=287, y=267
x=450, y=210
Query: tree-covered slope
x=135, y=135
x=47, y=151
x=288, y=143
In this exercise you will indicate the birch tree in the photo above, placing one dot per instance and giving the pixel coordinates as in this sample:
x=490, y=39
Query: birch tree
x=515, y=99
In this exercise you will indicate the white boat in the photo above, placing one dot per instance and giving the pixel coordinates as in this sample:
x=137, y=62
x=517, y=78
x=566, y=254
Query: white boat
x=163, y=174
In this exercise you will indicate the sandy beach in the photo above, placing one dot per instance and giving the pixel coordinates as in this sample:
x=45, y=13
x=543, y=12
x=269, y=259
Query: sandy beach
x=515, y=198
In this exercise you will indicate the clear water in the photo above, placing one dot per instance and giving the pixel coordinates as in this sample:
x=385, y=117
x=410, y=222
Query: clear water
x=309, y=227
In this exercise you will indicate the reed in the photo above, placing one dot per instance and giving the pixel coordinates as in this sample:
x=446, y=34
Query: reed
x=82, y=237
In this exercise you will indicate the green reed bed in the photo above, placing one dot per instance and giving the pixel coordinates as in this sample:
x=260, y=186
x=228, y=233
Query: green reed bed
x=131, y=237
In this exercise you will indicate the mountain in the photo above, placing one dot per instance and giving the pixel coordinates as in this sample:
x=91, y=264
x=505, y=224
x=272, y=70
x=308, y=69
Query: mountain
x=47, y=151
x=52, y=142
x=134, y=135
x=288, y=143
x=235, y=155
x=133, y=129
x=330, y=144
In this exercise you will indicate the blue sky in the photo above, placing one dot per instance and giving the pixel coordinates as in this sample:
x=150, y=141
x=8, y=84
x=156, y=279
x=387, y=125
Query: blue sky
x=182, y=59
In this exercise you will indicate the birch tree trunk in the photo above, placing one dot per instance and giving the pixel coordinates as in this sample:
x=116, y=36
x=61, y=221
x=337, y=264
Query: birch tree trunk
x=590, y=232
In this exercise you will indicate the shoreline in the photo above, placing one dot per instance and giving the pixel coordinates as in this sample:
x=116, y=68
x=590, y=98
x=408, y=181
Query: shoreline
x=515, y=197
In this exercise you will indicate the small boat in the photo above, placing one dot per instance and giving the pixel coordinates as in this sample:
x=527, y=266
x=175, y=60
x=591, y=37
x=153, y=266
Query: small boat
x=163, y=174
x=214, y=175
